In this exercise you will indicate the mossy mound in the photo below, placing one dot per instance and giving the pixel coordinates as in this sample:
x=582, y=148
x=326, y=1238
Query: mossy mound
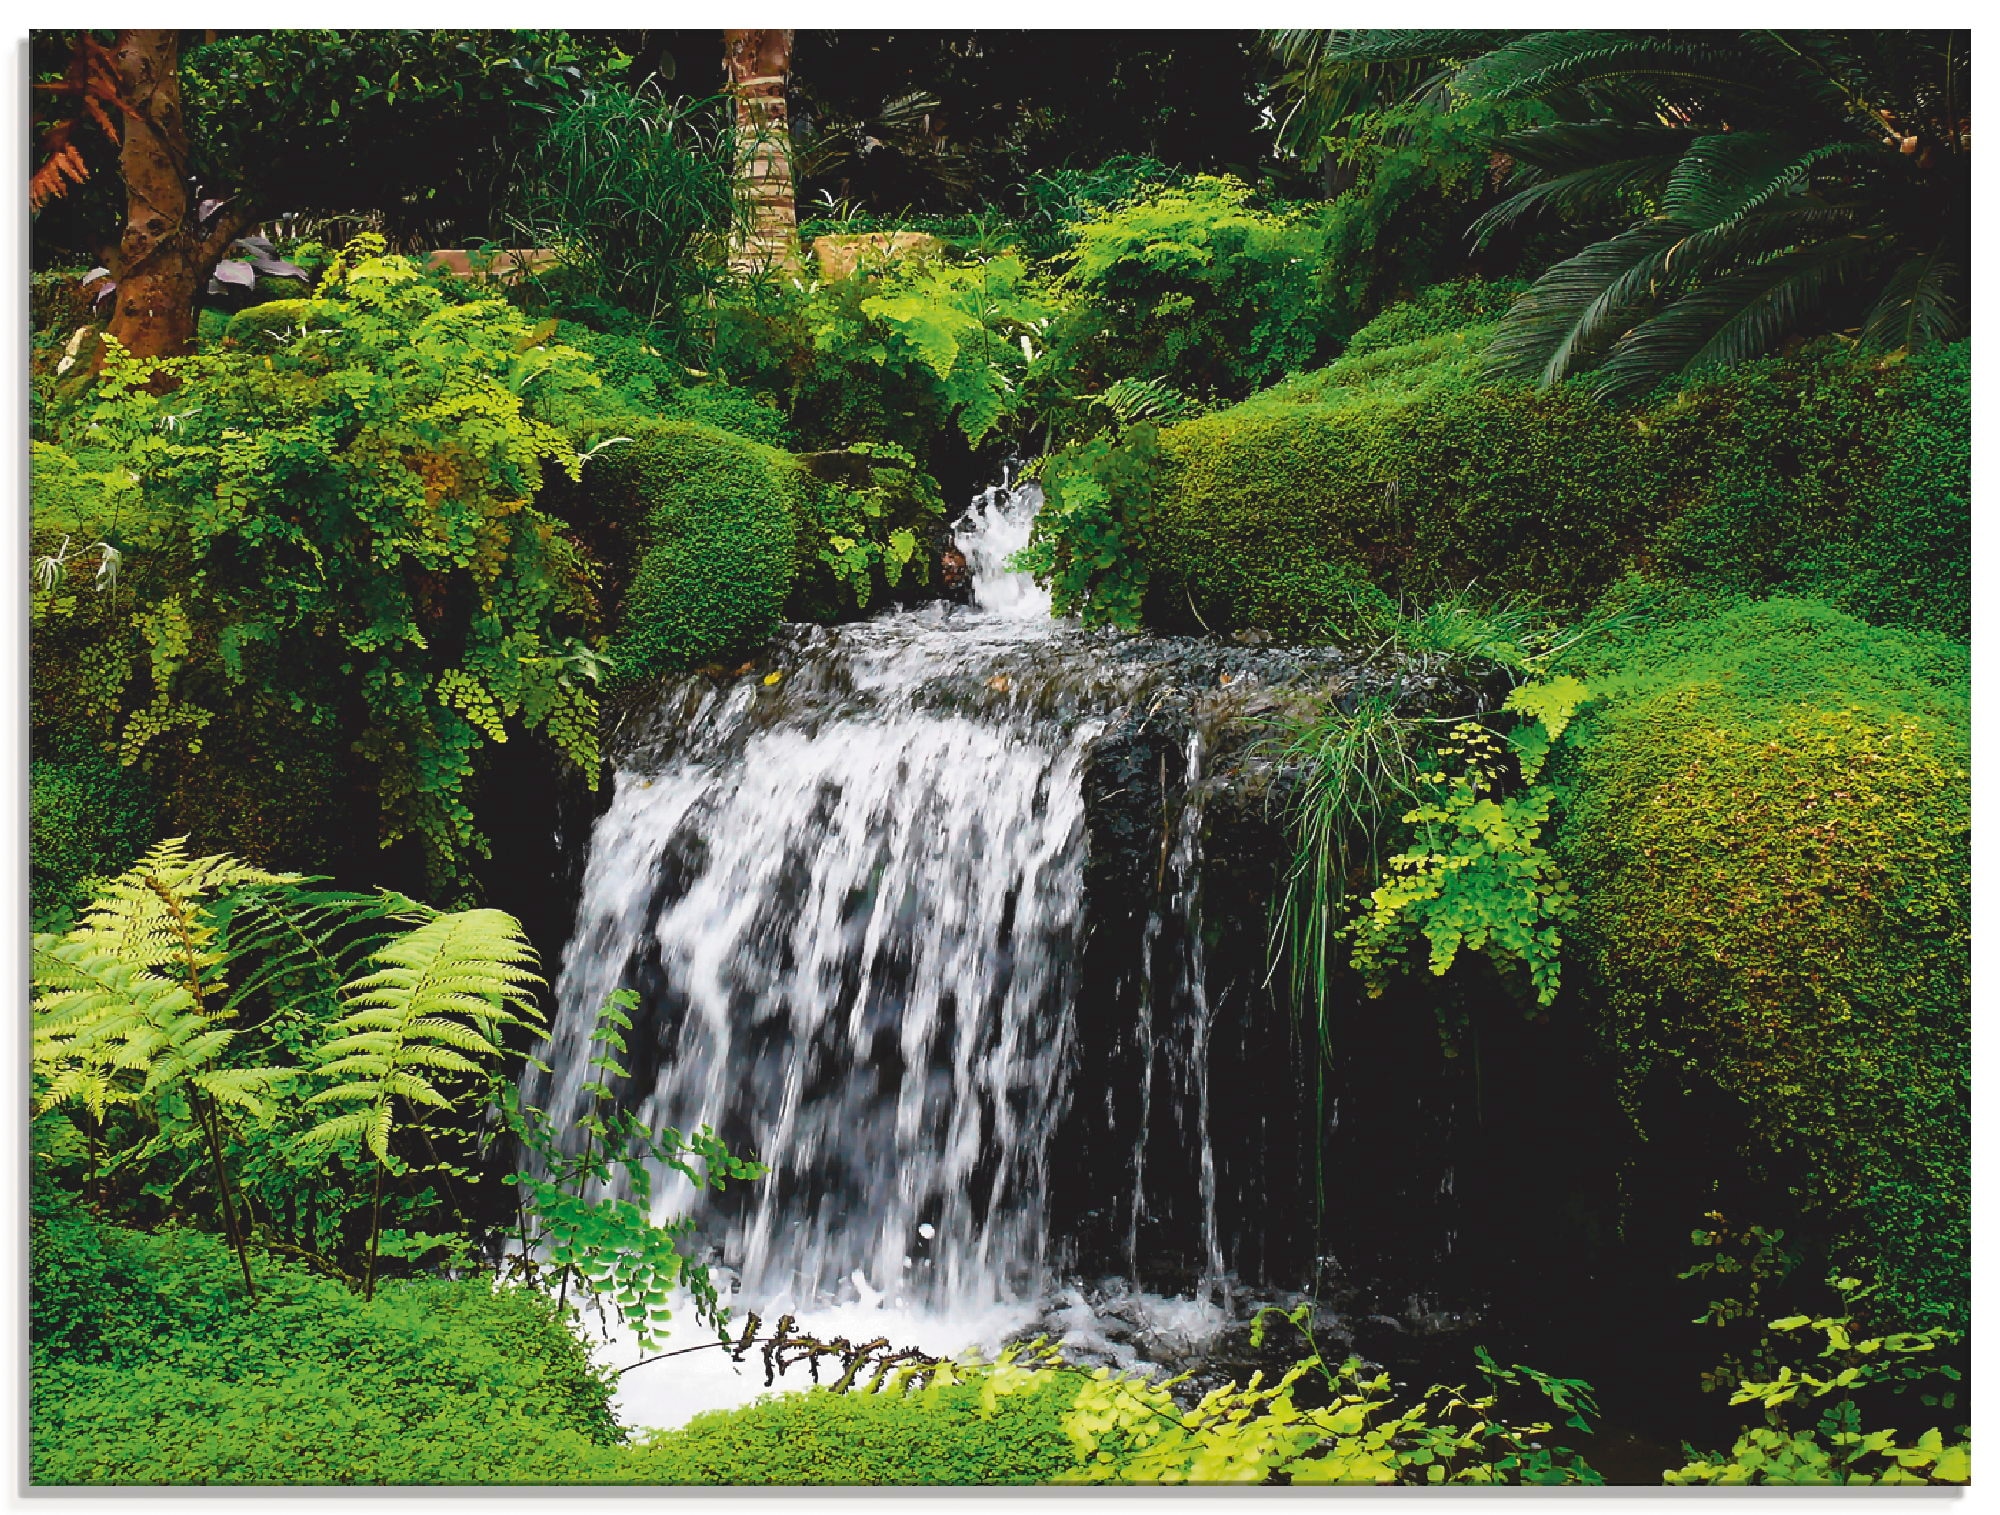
x=1393, y=468
x=1768, y=829
x=87, y=818
x=1820, y=474
x=712, y=521
x=938, y=1436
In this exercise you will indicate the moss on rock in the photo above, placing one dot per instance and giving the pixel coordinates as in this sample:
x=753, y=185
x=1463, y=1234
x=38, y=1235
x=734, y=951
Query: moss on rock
x=1768, y=828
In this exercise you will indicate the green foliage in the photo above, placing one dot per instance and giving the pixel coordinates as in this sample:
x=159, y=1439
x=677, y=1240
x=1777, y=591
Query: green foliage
x=329, y=531
x=1195, y=286
x=609, y=1246
x=150, y=1366
x=1326, y=1424
x=1770, y=184
x=87, y=820
x=1397, y=467
x=634, y=191
x=946, y=1433
x=1477, y=877
x=1390, y=468
x=1828, y=478
x=1089, y=541
x=424, y=126
x=872, y=534
x=197, y=1023
x=1813, y=1432
x=1768, y=830
x=712, y=522
x=969, y=336
x=1055, y=200
x=1436, y=311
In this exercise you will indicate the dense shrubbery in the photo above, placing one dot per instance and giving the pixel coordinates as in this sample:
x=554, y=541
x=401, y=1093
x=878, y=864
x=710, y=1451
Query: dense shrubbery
x=149, y=1366
x=1768, y=830
x=1397, y=467
x=324, y=535
x=943, y=1434
x=1195, y=286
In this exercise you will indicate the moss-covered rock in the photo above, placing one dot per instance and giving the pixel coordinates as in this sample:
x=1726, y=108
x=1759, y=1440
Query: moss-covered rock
x=278, y=317
x=1768, y=830
x=1394, y=468
x=1821, y=474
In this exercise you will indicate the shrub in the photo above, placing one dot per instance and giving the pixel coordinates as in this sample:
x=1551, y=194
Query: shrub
x=713, y=520
x=1821, y=476
x=1768, y=830
x=149, y=1367
x=1396, y=466
x=87, y=819
x=1394, y=470
x=935, y=1435
x=327, y=527
x=1195, y=286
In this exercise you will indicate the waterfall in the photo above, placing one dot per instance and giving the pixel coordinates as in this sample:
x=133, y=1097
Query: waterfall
x=849, y=892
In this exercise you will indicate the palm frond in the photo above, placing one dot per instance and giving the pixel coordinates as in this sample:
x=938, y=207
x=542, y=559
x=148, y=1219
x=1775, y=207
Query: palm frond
x=1917, y=306
x=1730, y=319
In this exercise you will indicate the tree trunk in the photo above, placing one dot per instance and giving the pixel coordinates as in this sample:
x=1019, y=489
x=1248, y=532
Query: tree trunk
x=165, y=255
x=767, y=226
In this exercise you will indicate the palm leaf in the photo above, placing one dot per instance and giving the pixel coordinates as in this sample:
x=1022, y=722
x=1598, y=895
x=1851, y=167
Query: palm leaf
x=1916, y=306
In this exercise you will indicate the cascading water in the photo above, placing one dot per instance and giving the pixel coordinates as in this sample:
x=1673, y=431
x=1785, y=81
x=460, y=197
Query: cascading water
x=849, y=884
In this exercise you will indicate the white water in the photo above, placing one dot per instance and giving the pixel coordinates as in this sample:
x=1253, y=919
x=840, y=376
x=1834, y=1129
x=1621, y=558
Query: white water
x=850, y=895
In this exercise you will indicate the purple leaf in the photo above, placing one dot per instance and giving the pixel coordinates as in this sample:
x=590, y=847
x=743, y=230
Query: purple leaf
x=232, y=272
x=204, y=211
x=278, y=268
x=255, y=245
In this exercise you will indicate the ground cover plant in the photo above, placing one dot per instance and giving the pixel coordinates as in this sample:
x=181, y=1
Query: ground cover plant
x=1527, y=472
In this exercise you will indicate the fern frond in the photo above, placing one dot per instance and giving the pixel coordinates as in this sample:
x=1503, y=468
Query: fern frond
x=432, y=996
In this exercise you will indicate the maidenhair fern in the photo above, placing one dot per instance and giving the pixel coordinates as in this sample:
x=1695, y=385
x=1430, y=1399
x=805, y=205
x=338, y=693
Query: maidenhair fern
x=438, y=1000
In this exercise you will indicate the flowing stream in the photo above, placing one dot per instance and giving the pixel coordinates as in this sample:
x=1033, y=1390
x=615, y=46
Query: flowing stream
x=848, y=884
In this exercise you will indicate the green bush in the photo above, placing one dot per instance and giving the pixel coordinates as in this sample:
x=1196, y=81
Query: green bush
x=1197, y=287
x=713, y=525
x=640, y=379
x=87, y=818
x=328, y=525
x=1391, y=468
x=1820, y=474
x=1436, y=312
x=150, y=1367
x=937, y=1435
x=1768, y=831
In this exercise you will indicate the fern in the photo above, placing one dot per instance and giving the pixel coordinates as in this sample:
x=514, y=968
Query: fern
x=132, y=1003
x=438, y=1001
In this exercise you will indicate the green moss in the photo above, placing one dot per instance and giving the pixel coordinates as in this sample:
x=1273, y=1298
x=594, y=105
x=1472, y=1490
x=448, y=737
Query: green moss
x=151, y=1367
x=279, y=316
x=1768, y=830
x=87, y=818
x=1416, y=481
x=713, y=519
x=1825, y=477
x=1819, y=474
x=932, y=1436
x=1435, y=312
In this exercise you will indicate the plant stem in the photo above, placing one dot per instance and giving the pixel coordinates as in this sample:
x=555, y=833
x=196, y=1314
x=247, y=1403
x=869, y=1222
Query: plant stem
x=374, y=1230
x=205, y=1115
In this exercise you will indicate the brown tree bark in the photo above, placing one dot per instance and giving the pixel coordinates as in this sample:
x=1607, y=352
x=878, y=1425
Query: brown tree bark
x=767, y=230
x=164, y=256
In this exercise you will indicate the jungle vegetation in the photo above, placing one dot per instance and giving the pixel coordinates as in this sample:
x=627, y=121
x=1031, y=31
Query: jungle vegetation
x=1623, y=374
